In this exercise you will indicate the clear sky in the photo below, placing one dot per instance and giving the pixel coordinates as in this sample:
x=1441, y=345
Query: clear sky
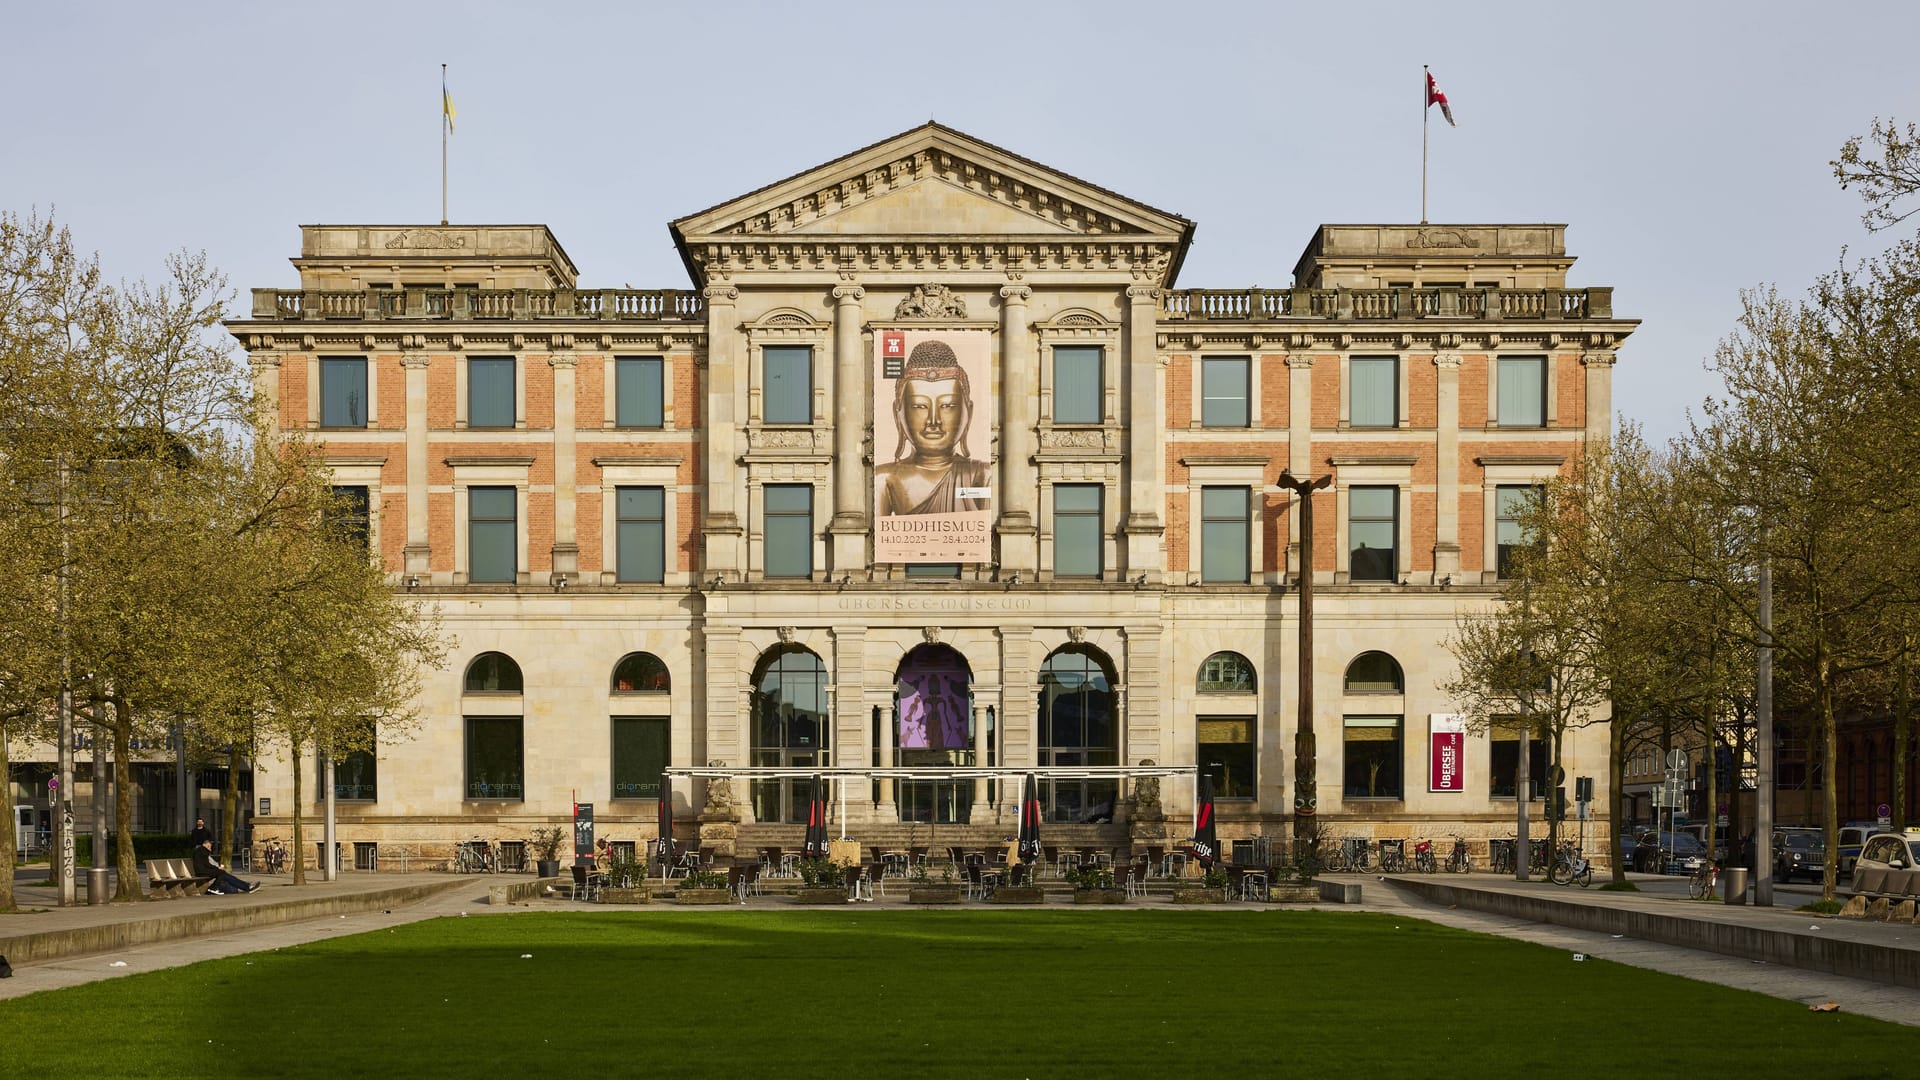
x=1684, y=144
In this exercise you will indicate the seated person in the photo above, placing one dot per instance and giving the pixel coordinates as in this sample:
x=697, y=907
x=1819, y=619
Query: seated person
x=223, y=882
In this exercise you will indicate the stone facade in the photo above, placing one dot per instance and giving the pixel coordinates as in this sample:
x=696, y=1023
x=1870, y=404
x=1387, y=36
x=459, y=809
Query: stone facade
x=933, y=230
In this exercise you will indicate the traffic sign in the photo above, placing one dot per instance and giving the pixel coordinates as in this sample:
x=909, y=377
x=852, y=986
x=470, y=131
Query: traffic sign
x=1883, y=810
x=1677, y=759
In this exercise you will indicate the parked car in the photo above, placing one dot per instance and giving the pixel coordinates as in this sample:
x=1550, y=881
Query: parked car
x=1668, y=853
x=1852, y=835
x=1888, y=851
x=1798, y=853
x=1699, y=832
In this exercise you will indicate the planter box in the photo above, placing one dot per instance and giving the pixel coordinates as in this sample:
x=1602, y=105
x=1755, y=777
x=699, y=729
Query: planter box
x=703, y=896
x=1099, y=896
x=933, y=894
x=626, y=896
x=1019, y=894
x=1199, y=896
x=828, y=895
x=1293, y=894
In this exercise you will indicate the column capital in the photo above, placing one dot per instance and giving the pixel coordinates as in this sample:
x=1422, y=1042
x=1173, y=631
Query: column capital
x=1446, y=360
x=1143, y=294
x=848, y=294
x=720, y=292
x=1598, y=358
x=415, y=360
x=264, y=359
x=562, y=360
x=1299, y=359
x=1015, y=294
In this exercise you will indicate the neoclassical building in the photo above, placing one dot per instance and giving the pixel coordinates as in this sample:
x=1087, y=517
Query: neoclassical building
x=933, y=464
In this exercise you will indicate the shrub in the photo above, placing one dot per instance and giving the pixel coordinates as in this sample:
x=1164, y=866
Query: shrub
x=704, y=879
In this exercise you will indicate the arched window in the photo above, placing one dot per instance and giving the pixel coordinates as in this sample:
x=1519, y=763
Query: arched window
x=1077, y=727
x=493, y=673
x=791, y=727
x=1226, y=673
x=1375, y=673
x=933, y=717
x=641, y=673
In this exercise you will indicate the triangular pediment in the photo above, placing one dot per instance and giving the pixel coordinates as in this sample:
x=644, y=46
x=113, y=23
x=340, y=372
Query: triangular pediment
x=933, y=181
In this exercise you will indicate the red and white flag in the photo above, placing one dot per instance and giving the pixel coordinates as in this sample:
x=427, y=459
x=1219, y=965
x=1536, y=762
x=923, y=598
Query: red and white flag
x=1435, y=97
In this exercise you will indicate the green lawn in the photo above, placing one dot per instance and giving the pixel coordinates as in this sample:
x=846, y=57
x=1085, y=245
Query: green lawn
x=885, y=993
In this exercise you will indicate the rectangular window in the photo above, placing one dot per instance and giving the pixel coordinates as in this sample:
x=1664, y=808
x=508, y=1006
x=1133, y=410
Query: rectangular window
x=1223, y=534
x=1076, y=384
x=1503, y=762
x=1373, y=391
x=1226, y=754
x=495, y=758
x=355, y=777
x=786, y=388
x=639, y=386
x=640, y=520
x=1076, y=530
x=1372, y=760
x=343, y=391
x=352, y=518
x=493, y=534
x=789, y=531
x=1523, y=391
x=639, y=755
x=1373, y=531
x=1510, y=501
x=1224, y=391
x=490, y=392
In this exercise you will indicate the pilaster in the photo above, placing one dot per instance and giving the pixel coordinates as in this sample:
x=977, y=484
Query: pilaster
x=725, y=492
x=1299, y=444
x=1143, y=528
x=1599, y=368
x=566, y=541
x=851, y=401
x=1446, y=448
x=1018, y=482
x=1018, y=747
x=418, y=552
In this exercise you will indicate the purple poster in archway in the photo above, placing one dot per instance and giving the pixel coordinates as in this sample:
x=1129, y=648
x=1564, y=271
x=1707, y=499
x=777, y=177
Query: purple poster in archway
x=933, y=705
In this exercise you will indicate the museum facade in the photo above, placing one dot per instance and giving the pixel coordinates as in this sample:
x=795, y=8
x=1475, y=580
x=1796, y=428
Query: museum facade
x=932, y=467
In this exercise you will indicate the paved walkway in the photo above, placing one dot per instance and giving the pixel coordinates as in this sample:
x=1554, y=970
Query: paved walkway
x=467, y=896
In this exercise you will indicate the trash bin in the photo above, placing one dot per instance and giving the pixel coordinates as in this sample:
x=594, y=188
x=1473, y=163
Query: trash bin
x=97, y=885
x=1733, y=884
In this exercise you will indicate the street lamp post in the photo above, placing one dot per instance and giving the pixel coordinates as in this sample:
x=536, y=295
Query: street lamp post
x=1306, y=786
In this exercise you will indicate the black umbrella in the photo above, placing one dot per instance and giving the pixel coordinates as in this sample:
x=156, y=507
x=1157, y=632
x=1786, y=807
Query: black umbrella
x=666, y=825
x=815, y=846
x=1029, y=850
x=1206, y=847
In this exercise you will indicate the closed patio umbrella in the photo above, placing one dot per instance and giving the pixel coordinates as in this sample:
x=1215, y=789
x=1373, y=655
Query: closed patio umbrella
x=1206, y=847
x=815, y=846
x=1029, y=850
x=666, y=825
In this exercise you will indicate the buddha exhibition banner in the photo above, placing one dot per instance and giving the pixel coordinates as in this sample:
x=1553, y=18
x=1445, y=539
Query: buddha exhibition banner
x=1446, y=745
x=932, y=446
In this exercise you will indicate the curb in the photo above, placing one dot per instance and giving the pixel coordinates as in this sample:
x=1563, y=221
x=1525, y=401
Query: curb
x=109, y=937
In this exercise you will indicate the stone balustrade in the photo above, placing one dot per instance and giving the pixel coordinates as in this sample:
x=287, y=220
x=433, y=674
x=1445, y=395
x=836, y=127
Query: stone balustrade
x=1259, y=305
x=648, y=305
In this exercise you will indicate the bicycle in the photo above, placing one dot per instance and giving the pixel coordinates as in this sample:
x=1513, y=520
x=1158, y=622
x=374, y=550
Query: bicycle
x=1354, y=853
x=1423, y=857
x=1569, y=866
x=1457, y=862
x=1500, y=854
x=1704, y=880
x=1393, y=856
x=273, y=856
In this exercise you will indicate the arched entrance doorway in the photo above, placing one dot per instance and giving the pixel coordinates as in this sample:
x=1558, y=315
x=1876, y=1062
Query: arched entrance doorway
x=933, y=726
x=1077, y=726
x=791, y=728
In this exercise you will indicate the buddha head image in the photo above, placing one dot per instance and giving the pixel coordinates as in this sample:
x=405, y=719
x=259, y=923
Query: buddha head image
x=932, y=415
x=932, y=404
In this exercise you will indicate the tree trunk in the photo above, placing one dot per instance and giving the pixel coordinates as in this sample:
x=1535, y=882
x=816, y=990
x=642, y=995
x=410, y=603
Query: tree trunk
x=299, y=858
x=123, y=804
x=1902, y=742
x=1556, y=779
x=1616, y=779
x=229, y=803
x=1830, y=790
x=7, y=839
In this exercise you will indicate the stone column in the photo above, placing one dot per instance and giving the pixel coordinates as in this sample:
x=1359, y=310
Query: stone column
x=1599, y=368
x=1018, y=747
x=852, y=724
x=851, y=398
x=725, y=375
x=886, y=810
x=979, y=753
x=1018, y=550
x=418, y=551
x=1143, y=529
x=1446, y=478
x=566, y=542
x=1299, y=443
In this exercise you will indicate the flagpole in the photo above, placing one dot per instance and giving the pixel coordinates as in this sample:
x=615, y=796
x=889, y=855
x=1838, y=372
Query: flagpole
x=1426, y=107
x=443, y=149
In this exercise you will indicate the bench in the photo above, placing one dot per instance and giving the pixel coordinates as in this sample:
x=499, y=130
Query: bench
x=169, y=878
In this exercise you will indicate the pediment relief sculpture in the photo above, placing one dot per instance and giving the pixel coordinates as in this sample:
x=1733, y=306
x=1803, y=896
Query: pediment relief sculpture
x=931, y=301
